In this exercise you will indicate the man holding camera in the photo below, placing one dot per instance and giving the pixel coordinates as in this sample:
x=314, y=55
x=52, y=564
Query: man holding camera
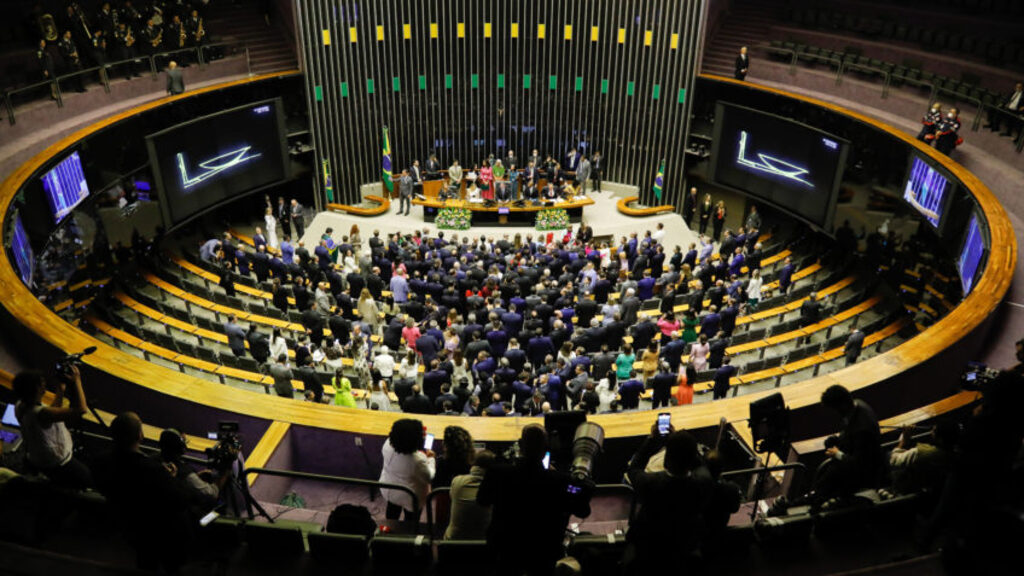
x=47, y=440
x=201, y=489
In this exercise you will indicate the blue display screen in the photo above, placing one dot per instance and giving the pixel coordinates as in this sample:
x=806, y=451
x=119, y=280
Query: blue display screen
x=22, y=250
x=65, y=186
x=926, y=191
x=971, y=254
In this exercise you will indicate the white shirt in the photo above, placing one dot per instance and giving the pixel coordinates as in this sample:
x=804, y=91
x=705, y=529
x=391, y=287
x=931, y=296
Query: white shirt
x=385, y=364
x=414, y=471
x=48, y=447
x=754, y=287
x=658, y=235
x=278, y=346
x=1015, y=101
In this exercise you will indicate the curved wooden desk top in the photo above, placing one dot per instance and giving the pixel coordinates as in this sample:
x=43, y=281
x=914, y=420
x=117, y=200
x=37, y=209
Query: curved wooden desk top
x=577, y=202
x=383, y=205
x=972, y=312
x=624, y=207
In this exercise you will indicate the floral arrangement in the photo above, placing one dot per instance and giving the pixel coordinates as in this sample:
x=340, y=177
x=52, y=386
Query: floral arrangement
x=552, y=219
x=453, y=219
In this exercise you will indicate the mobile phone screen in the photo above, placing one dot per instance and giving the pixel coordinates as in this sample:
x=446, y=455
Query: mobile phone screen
x=428, y=442
x=205, y=520
x=664, y=421
x=547, y=460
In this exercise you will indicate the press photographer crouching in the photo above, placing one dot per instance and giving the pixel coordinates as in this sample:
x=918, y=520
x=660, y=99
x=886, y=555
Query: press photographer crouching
x=48, y=442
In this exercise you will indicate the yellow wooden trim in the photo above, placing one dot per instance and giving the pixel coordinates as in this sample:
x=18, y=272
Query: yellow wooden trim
x=265, y=448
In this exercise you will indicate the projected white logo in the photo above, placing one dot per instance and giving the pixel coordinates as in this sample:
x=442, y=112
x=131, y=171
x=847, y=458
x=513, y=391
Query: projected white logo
x=771, y=165
x=213, y=166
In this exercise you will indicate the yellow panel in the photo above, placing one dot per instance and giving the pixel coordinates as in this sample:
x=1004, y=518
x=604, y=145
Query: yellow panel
x=593, y=33
x=622, y=35
x=648, y=38
x=406, y=31
x=487, y=29
x=674, y=44
x=327, y=37
x=352, y=34
x=515, y=29
x=568, y=31
x=540, y=31
x=433, y=29
x=380, y=33
x=460, y=29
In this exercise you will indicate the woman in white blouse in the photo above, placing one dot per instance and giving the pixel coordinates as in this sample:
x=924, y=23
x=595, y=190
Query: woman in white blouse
x=409, y=368
x=407, y=464
x=369, y=312
x=349, y=263
x=271, y=226
x=278, y=345
x=754, y=287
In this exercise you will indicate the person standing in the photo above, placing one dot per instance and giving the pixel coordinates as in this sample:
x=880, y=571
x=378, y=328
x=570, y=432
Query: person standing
x=597, y=167
x=124, y=36
x=454, y=178
x=929, y=122
x=284, y=217
x=853, y=346
x=690, y=203
x=583, y=174
x=722, y=378
x=408, y=464
x=236, y=336
x=175, y=79
x=1013, y=103
x=46, y=69
x=947, y=134
x=718, y=220
x=405, y=184
x=72, y=61
x=753, y=220
x=298, y=219
x=271, y=223
x=48, y=442
x=706, y=208
x=742, y=64
x=282, y=375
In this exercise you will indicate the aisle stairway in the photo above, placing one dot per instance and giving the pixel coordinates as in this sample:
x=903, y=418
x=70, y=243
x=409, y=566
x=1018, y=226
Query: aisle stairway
x=745, y=25
x=270, y=47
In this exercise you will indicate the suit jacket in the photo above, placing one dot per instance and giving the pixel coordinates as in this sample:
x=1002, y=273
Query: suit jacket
x=853, y=345
x=742, y=66
x=175, y=81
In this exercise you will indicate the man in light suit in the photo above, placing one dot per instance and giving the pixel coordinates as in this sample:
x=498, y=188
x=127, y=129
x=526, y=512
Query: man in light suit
x=742, y=64
x=405, y=192
x=175, y=80
x=416, y=173
x=298, y=218
x=583, y=174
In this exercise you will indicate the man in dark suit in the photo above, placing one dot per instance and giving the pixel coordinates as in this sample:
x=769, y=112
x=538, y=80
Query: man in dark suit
x=417, y=402
x=786, y=276
x=298, y=218
x=175, y=79
x=661, y=385
x=728, y=317
x=810, y=310
x=310, y=380
x=1012, y=103
x=854, y=344
x=313, y=323
x=236, y=336
x=742, y=64
x=259, y=346
x=716, y=353
x=538, y=348
x=722, y=377
x=710, y=323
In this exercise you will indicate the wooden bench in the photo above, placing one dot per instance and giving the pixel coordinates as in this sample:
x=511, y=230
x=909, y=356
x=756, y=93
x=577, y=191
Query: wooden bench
x=382, y=206
x=624, y=207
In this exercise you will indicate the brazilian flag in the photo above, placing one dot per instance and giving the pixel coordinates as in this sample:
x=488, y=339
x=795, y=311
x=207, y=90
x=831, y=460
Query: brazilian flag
x=386, y=162
x=328, y=184
x=659, y=180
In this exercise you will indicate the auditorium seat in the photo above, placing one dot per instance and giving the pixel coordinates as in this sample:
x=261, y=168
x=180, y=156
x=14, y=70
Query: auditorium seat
x=273, y=541
x=344, y=553
x=411, y=554
x=462, y=557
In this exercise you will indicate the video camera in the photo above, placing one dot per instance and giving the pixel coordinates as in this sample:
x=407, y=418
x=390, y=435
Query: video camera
x=223, y=454
x=65, y=364
x=977, y=376
x=586, y=445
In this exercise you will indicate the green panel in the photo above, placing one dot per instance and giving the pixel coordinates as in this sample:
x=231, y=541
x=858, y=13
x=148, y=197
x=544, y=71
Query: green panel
x=526, y=81
x=501, y=80
x=604, y=86
x=657, y=92
x=553, y=82
x=396, y=84
x=344, y=89
x=630, y=88
x=448, y=81
x=423, y=82
x=369, y=85
x=319, y=92
x=474, y=81
x=579, y=83
x=682, y=95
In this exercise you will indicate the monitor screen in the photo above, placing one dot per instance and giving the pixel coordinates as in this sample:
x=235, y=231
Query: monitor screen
x=65, y=186
x=23, y=257
x=927, y=190
x=214, y=158
x=971, y=253
x=9, y=418
x=790, y=165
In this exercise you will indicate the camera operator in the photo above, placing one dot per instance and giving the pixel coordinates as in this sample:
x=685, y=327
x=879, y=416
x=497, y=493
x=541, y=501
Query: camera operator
x=47, y=439
x=674, y=505
x=202, y=489
x=531, y=507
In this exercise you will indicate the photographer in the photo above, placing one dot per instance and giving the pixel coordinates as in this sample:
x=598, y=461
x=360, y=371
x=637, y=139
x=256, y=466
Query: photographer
x=673, y=505
x=202, y=489
x=47, y=439
x=531, y=507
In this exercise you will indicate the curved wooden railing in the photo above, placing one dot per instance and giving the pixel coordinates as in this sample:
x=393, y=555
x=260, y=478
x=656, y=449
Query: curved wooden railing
x=383, y=204
x=624, y=207
x=972, y=314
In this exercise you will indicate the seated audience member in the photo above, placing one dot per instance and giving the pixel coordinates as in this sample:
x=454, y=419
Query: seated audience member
x=469, y=520
x=47, y=441
x=150, y=508
x=201, y=489
x=408, y=464
x=924, y=465
x=672, y=505
x=530, y=507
